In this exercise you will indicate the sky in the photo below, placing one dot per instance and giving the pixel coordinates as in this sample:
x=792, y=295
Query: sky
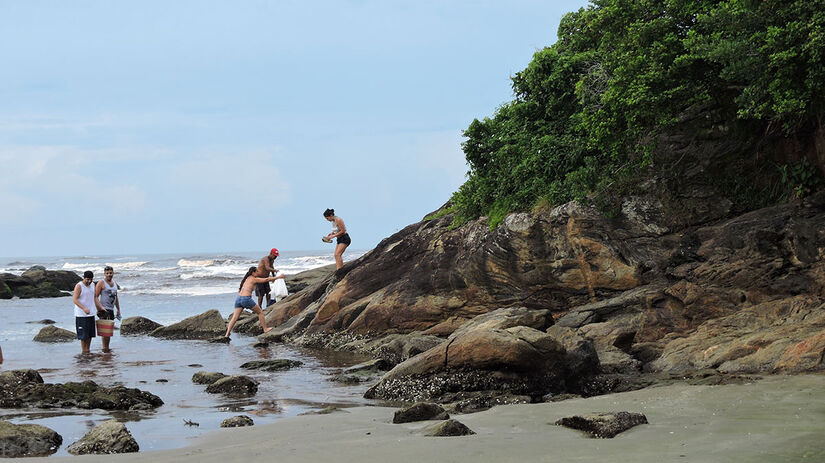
x=131, y=127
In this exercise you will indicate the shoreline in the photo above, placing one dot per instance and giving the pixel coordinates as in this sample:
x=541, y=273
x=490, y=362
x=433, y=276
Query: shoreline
x=777, y=418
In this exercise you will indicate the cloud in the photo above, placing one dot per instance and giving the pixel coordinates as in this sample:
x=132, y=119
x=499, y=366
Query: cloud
x=235, y=180
x=50, y=182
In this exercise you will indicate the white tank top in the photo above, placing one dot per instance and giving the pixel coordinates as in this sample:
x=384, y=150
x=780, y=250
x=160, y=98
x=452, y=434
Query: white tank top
x=87, y=298
x=335, y=228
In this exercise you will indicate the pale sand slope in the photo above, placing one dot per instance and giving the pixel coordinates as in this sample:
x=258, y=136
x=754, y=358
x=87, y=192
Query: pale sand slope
x=777, y=419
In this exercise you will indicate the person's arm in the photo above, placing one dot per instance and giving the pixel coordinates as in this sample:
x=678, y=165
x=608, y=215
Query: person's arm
x=117, y=304
x=76, y=299
x=269, y=267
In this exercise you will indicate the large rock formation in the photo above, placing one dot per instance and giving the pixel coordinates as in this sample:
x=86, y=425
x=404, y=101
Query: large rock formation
x=649, y=290
x=38, y=282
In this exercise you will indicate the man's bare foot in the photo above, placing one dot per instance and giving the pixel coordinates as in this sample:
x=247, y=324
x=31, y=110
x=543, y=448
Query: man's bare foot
x=267, y=330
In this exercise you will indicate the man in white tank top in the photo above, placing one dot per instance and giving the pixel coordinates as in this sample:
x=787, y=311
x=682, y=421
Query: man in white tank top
x=84, y=302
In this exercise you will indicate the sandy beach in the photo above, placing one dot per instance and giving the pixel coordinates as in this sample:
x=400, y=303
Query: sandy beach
x=770, y=420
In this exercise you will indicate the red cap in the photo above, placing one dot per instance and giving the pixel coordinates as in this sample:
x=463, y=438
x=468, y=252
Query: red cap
x=275, y=252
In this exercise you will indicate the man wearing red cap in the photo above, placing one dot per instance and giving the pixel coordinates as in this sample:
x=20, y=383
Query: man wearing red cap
x=265, y=269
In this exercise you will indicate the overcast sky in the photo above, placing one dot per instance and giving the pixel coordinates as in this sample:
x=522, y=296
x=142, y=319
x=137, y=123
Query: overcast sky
x=215, y=126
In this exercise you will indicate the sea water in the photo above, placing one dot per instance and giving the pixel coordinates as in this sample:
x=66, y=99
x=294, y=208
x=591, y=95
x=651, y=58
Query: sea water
x=167, y=288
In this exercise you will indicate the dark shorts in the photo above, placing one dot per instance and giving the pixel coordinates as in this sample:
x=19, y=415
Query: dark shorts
x=262, y=288
x=106, y=314
x=245, y=301
x=344, y=239
x=85, y=327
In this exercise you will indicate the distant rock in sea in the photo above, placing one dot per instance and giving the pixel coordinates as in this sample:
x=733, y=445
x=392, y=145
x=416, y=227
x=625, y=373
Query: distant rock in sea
x=37, y=282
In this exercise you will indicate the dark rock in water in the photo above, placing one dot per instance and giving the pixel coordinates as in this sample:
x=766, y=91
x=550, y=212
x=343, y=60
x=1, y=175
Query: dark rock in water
x=64, y=280
x=107, y=437
x=195, y=365
x=260, y=345
x=54, y=334
x=604, y=425
x=205, y=377
x=350, y=379
x=207, y=325
x=27, y=440
x=161, y=380
x=138, y=325
x=15, y=378
x=45, y=321
x=271, y=365
x=421, y=411
x=448, y=428
x=220, y=340
x=25, y=388
x=140, y=407
x=38, y=282
x=5, y=291
x=237, y=422
x=237, y=384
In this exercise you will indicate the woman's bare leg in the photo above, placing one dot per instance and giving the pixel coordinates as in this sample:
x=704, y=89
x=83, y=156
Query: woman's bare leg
x=235, y=315
x=261, y=318
x=339, y=255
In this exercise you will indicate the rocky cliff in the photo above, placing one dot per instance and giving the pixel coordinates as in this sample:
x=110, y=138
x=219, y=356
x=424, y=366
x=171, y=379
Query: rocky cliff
x=740, y=295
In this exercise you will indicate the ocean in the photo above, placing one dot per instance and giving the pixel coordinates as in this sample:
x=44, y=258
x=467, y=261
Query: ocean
x=168, y=288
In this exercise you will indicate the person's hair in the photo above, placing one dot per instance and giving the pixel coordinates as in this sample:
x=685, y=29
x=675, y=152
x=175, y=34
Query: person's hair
x=88, y=274
x=107, y=268
x=248, y=274
x=329, y=212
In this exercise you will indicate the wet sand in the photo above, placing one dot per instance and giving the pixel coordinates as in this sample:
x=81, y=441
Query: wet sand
x=777, y=419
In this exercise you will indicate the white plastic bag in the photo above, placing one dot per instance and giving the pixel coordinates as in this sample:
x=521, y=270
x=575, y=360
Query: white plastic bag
x=279, y=290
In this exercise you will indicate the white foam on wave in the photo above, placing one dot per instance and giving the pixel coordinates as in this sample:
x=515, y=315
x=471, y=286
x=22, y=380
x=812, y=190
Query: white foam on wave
x=190, y=291
x=80, y=267
x=196, y=263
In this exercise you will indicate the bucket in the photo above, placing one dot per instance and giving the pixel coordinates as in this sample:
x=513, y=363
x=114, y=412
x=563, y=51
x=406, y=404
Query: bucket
x=105, y=328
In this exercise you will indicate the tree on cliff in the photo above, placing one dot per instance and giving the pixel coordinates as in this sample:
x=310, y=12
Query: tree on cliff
x=589, y=111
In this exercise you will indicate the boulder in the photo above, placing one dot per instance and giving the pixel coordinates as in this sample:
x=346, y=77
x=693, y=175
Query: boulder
x=205, y=377
x=237, y=422
x=235, y=385
x=603, y=425
x=27, y=440
x=108, y=437
x=25, y=388
x=55, y=334
x=45, y=321
x=138, y=325
x=420, y=411
x=204, y=326
x=448, y=428
x=38, y=282
x=271, y=365
x=517, y=360
x=64, y=280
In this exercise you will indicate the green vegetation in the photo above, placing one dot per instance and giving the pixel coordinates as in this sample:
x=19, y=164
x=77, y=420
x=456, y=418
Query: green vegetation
x=589, y=110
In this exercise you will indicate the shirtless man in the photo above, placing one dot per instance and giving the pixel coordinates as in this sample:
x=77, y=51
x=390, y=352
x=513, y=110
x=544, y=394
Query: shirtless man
x=264, y=270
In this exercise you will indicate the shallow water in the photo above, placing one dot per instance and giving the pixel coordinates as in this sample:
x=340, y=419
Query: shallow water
x=140, y=361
